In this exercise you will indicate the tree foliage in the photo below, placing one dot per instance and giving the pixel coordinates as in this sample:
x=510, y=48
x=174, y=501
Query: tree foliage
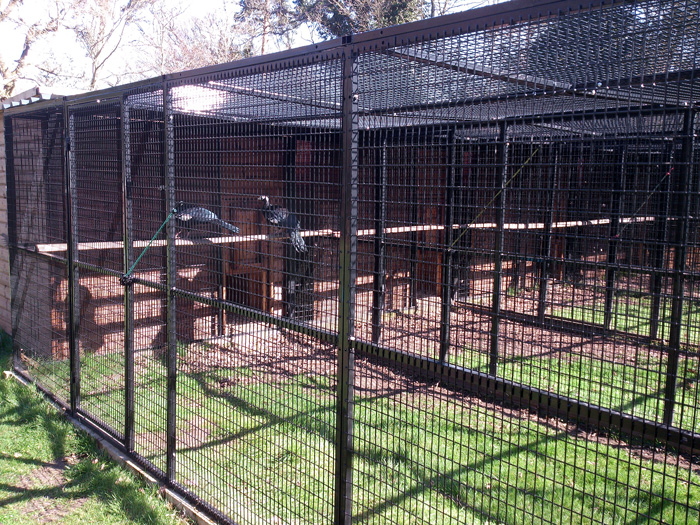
x=100, y=26
x=90, y=44
x=266, y=19
x=335, y=18
x=32, y=26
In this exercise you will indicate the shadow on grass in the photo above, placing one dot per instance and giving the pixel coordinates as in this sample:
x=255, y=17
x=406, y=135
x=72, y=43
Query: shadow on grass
x=93, y=477
x=92, y=480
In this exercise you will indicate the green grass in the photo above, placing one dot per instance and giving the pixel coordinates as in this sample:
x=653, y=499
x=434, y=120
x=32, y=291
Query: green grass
x=94, y=490
x=264, y=452
x=632, y=313
x=637, y=390
x=261, y=448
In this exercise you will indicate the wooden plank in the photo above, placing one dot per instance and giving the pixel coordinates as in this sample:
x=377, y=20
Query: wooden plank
x=233, y=239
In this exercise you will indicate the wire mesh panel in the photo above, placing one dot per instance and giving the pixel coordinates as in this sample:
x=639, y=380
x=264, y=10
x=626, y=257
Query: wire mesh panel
x=96, y=207
x=526, y=226
x=441, y=273
x=37, y=239
x=39, y=322
x=145, y=256
x=256, y=186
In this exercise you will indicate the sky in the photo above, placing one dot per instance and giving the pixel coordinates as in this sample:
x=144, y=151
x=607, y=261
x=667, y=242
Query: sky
x=65, y=46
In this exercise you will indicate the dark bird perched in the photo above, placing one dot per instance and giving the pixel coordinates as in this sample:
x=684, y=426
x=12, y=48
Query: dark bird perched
x=190, y=215
x=282, y=218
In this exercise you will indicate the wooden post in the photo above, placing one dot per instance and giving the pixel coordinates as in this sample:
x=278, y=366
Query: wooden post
x=546, y=246
x=502, y=147
x=448, y=250
x=380, y=197
x=616, y=210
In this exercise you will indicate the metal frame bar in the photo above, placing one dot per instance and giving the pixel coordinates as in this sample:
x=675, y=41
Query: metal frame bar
x=171, y=283
x=546, y=246
x=72, y=254
x=616, y=209
x=682, y=198
x=448, y=252
x=659, y=257
x=380, y=196
x=348, y=272
x=127, y=228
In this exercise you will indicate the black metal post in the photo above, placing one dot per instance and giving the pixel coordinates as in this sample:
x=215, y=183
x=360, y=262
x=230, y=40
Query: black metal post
x=681, y=197
x=127, y=224
x=546, y=247
x=448, y=252
x=348, y=271
x=502, y=147
x=11, y=221
x=659, y=251
x=171, y=283
x=380, y=196
x=72, y=255
x=616, y=210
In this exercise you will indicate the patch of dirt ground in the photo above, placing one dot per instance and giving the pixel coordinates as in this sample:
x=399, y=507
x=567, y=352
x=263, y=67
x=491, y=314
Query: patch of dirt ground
x=46, y=481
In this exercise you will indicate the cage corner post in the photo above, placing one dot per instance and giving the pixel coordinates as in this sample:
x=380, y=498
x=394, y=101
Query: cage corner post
x=72, y=253
x=681, y=196
x=127, y=237
x=171, y=276
x=348, y=271
x=11, y=225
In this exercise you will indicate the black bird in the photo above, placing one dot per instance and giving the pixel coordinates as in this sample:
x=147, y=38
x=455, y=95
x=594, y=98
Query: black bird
x=284, y=219
x=190, y=215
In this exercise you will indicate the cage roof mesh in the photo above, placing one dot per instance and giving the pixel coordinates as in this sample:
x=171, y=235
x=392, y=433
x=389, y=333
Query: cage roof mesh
x=620, y=58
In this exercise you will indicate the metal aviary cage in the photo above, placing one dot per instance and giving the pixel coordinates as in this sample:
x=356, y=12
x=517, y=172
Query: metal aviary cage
x=445, y=272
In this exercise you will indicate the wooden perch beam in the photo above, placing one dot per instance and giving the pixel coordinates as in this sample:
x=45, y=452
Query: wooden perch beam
x=233, y=239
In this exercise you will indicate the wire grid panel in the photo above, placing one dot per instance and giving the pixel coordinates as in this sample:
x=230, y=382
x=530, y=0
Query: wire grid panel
x=37, y=142
x=96, y=165
x=522, y=274
x=39, y=322
x=533, y=250
x=146, y=213
x=96, y=206
x=256, y=264
x=36, y=173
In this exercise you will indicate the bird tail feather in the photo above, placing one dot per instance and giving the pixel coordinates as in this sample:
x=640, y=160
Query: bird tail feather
x=226, y=225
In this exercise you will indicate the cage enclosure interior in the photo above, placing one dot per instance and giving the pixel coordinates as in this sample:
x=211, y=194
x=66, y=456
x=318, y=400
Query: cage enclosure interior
x=446, y=272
